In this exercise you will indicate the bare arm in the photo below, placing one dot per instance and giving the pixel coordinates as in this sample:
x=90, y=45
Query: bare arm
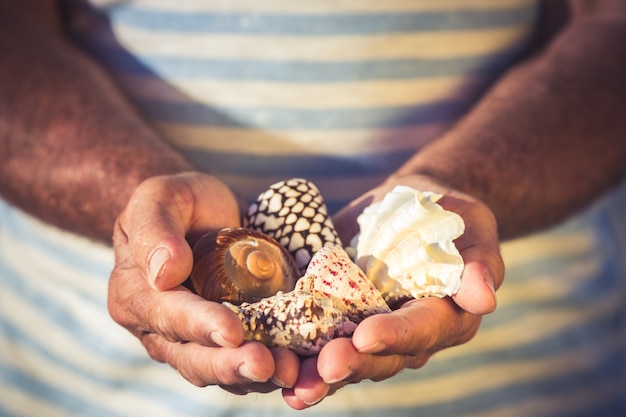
x=73, y=149
x=545, y=141
x=549, y=136
x=76, y=154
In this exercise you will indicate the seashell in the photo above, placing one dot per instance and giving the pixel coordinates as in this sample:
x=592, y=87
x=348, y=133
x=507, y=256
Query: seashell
x=331, y=299
x=294, y=213
x=238, y=264
x=405, y=245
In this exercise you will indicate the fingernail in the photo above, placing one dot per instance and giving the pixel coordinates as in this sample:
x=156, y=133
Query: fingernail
x=218, y=338
x=280, y=383
x=243, y=371
x=316, y=401
x=339, y=379
x=489, y=281
x=375, y=347
x=157, y=262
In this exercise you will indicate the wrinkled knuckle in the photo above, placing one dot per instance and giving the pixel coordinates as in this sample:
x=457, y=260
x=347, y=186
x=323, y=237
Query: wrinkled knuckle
x=116, y=312
x=397, y=333
x=119, y=235
x=150, y=184
x=162, y=325
x=467, y=328
x=193, y=378
x=183, y=363
x=419, y=360
x=471, y=332
x=197, y=330
x=500, y=268
x=119, y=309
x=131, y=312
x=149, y=342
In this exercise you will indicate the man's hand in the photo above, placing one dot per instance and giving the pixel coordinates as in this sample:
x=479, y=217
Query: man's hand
x=385, y=344
x=203, y=340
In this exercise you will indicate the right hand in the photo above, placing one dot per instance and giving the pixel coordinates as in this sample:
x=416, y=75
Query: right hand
x=203, y=340
x=385, y=344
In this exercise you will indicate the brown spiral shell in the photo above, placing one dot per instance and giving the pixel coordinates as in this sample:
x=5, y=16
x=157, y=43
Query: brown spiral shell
x=241, y=265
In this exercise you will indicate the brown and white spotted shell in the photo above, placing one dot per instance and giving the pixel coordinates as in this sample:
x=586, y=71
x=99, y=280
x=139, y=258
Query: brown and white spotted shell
x=294, y=213
x=241, y=265
x=328, y=302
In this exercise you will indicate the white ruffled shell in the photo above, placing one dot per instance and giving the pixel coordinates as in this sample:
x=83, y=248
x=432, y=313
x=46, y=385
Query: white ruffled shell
x=405, y=245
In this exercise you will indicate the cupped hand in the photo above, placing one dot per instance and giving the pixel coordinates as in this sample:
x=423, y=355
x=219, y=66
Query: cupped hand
x=385, y=344
x=203, y=340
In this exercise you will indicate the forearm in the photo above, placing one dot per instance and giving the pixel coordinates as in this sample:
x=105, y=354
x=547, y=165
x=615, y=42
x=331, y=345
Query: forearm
x=548, y=138
x=73, y=149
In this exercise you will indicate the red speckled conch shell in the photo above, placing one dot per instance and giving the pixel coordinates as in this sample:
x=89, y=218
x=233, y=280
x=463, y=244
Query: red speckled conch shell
x=328, y=302
x=238, y=264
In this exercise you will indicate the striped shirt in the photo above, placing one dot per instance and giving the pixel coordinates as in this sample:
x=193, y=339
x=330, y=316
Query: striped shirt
x=342, y=93
x=338, y=92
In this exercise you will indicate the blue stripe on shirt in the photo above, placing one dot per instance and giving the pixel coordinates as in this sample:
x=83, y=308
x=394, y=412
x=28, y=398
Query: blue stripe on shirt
x=318, y=24
x=62, y=398
x=306, y=166
x=303, y=71
x=303, y=119
x=547, y=386
x=56, y=312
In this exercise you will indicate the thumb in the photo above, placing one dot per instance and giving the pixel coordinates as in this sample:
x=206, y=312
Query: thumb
x=160, y=252
x=162, y=212
x=482, y=275
x=168, y=263
x=153, y=227
x=477, y=294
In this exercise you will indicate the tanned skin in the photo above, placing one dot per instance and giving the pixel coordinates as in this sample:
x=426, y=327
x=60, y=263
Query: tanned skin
x=549, y=137
x=544, y=142
x=67, y=133
x=73, y=148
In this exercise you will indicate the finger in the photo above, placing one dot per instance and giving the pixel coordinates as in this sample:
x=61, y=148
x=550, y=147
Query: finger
x=310, y=388
x=482, y=274
x=477, y=294
x=287, y=367
x=290, y=398
x=340, y=363
x=154, y=224
x=201, y=365
x=182, y=316
x=176, y=315
x=484, y=267
x=162, y=212
x=422, y=325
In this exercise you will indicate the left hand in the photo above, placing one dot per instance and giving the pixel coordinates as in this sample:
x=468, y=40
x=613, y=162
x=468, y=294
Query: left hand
x=385, y=344
x=201, y=339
